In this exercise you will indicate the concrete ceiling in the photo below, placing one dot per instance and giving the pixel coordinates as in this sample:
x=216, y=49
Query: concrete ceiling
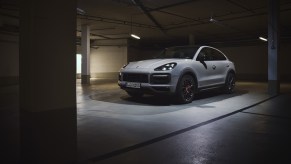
x=170, y=20
x=158, y=21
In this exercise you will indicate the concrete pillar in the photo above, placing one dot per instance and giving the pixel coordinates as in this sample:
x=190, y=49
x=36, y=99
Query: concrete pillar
x=47, y=88
x=85, y=45
x=191, y=39
x=273, y=47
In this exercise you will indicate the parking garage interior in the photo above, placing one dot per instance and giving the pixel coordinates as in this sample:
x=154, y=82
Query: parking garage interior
x=60, y=102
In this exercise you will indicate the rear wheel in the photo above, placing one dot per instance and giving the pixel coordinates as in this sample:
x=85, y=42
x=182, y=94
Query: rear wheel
x=186, y=89
x=229, y=83
x=134, y=94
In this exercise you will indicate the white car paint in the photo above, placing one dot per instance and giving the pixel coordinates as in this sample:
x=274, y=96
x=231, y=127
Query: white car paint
x=208, y=73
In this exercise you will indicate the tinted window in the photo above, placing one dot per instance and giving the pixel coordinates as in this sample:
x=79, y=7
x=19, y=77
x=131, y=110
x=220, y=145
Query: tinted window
x=179, y=53
x=205, y=54
x=217, y=55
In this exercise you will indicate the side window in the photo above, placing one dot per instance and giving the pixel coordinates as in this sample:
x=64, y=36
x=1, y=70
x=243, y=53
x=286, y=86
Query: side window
x=201, y=56
x=205, y=55
x=217, y=55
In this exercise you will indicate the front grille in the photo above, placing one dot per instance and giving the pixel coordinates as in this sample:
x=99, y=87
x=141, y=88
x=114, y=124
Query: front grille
x=134, y=77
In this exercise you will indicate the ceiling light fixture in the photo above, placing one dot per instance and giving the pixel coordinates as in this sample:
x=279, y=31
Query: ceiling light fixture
x=80, y=11
x=131, y=34
x=134, y=36
x=263, y=39
x=212, y=20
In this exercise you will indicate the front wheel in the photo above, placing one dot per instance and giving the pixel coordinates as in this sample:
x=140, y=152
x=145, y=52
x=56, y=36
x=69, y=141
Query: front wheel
x=229, y=83
x=186, y=89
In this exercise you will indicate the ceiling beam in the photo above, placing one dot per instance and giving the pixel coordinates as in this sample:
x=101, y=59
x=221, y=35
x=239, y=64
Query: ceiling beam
x=164, y=12
x=148, y=14
x=240, y=5
x=172, y=5
x=180, y=16
x=189, y=23
x=114, y=21
x=101, y=36
x=225, y=19
x=100, y=29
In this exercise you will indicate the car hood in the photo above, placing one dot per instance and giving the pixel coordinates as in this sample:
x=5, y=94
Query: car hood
x=152, y=63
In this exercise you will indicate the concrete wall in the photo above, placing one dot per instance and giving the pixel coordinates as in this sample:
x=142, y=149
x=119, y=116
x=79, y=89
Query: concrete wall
x=106, y=61
x=252, y=61
x=106, y=58
x=135, y=54
x=9, y=60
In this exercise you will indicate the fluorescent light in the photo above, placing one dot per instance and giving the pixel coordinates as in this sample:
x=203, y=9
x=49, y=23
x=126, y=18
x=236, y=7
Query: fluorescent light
x=263, y=39
x=81, y=11
x=213, y=20
x=134, y=36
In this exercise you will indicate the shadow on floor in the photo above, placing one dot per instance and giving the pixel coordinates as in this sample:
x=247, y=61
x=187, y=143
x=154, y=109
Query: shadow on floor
x=120, y=97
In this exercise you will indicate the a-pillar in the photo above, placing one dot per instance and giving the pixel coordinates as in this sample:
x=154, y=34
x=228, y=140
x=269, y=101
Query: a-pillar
x=191, y=39
x=47, y=88
x=85, y=45
x=273, y=48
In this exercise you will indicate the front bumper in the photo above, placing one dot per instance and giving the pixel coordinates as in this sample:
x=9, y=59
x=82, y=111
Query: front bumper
x=147, y=88
x=156, y=83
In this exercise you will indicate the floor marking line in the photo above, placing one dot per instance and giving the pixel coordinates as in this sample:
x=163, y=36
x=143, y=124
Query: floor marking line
x=161, y=138
x=267, y=115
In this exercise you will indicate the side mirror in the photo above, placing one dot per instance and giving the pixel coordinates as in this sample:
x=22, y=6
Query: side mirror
x=202, y=59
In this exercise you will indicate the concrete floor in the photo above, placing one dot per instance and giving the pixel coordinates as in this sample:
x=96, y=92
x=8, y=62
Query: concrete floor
x=248, y=126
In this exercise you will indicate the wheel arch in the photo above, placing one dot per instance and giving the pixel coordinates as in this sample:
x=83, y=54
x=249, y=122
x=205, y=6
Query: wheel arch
x=228, y=87
x=228, y=72
x=231, y=71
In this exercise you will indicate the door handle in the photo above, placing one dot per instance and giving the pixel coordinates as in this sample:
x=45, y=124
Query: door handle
x=213, y=67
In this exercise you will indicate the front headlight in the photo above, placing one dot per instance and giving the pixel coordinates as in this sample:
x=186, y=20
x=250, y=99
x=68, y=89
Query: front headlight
x=166, y=67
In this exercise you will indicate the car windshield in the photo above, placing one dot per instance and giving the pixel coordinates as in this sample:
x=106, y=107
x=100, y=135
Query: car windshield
x=178, y=53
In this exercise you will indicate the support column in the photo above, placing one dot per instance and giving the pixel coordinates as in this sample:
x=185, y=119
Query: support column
x=85, y=77
x=191, y=39
x=47, y=88
x=273, y=47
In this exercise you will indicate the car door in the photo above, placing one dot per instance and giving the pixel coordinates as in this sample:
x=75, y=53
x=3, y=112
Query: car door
x=204, y=68
x=221, y=65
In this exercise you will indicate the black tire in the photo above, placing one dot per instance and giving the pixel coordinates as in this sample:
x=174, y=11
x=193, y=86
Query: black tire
x=229, y=83
x=135, y=94
x=185, y=91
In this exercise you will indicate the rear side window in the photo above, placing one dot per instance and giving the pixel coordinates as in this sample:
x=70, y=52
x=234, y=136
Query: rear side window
x=205, y=55
x=217, y=55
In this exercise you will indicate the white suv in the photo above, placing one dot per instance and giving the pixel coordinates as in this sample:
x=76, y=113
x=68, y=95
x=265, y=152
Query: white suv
x=179, y=71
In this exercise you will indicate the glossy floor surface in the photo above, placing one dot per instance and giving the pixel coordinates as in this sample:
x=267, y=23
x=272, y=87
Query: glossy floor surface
x=248, y=126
